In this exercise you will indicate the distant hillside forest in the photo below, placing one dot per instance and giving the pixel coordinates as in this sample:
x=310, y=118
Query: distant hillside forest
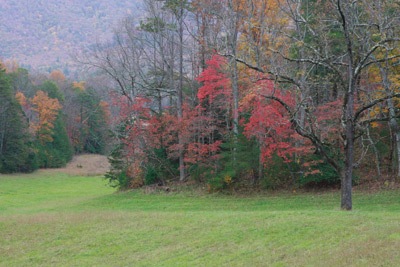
x=45, y=120
x=43, y=33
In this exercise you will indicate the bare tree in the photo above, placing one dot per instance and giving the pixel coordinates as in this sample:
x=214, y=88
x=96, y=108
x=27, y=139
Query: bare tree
x=151, y=57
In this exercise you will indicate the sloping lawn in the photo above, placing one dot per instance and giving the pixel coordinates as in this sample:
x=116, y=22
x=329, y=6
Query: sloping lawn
x=48, y=218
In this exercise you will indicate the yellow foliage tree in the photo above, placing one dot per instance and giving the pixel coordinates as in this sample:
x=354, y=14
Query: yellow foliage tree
x=79, y=85
x=260, y=20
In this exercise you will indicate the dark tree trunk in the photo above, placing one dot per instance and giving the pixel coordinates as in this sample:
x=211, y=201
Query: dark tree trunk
x=348, y=119
x=347, y=176
x=347, y=170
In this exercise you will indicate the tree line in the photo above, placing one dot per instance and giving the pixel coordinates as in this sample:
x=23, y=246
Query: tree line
x=46, y=119
x=238, y=93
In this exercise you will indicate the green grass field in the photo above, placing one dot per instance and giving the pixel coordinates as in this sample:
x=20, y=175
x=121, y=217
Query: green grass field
x=54, y=219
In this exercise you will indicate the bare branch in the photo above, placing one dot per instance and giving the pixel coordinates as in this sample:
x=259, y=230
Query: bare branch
x=373, y=103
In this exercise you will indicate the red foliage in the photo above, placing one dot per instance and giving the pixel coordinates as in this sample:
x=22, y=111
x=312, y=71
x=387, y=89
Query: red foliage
x=215, y=82
x=196, y=129
x=135, y=114
x=269, y=123
x=146, y=131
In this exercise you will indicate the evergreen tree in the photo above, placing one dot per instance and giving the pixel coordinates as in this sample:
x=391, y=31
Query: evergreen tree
x=16, y=153
x=52, y=90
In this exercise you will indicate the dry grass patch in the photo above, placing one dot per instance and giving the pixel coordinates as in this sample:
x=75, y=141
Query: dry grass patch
x=86, y=164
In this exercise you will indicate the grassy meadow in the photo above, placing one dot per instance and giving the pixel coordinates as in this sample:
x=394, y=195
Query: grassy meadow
x=50, y=218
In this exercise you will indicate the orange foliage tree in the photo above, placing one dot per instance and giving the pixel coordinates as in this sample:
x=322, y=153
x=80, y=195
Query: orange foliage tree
x=46, y=109
x=21, y=99
x=57, y=76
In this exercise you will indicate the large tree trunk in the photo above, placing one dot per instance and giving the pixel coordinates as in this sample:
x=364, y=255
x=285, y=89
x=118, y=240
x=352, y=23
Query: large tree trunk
x=347, y=178
x=348, y=118
x=347, y=170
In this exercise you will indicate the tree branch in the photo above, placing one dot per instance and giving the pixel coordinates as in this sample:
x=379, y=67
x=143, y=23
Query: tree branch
x=373, y=103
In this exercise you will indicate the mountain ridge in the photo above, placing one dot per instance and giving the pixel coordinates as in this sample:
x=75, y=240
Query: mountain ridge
x=43, y=33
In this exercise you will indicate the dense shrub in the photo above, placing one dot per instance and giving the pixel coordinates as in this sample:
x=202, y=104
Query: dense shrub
x=279, y=173
x=319, y=174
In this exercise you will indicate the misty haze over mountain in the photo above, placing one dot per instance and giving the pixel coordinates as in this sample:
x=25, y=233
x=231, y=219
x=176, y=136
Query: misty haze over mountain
x=43, y=33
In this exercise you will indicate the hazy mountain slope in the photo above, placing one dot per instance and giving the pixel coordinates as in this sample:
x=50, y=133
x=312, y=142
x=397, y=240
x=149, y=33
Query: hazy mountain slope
x=43, y=32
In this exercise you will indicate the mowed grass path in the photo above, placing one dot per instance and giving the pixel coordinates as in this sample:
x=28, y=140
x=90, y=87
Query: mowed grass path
x=54, y=219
